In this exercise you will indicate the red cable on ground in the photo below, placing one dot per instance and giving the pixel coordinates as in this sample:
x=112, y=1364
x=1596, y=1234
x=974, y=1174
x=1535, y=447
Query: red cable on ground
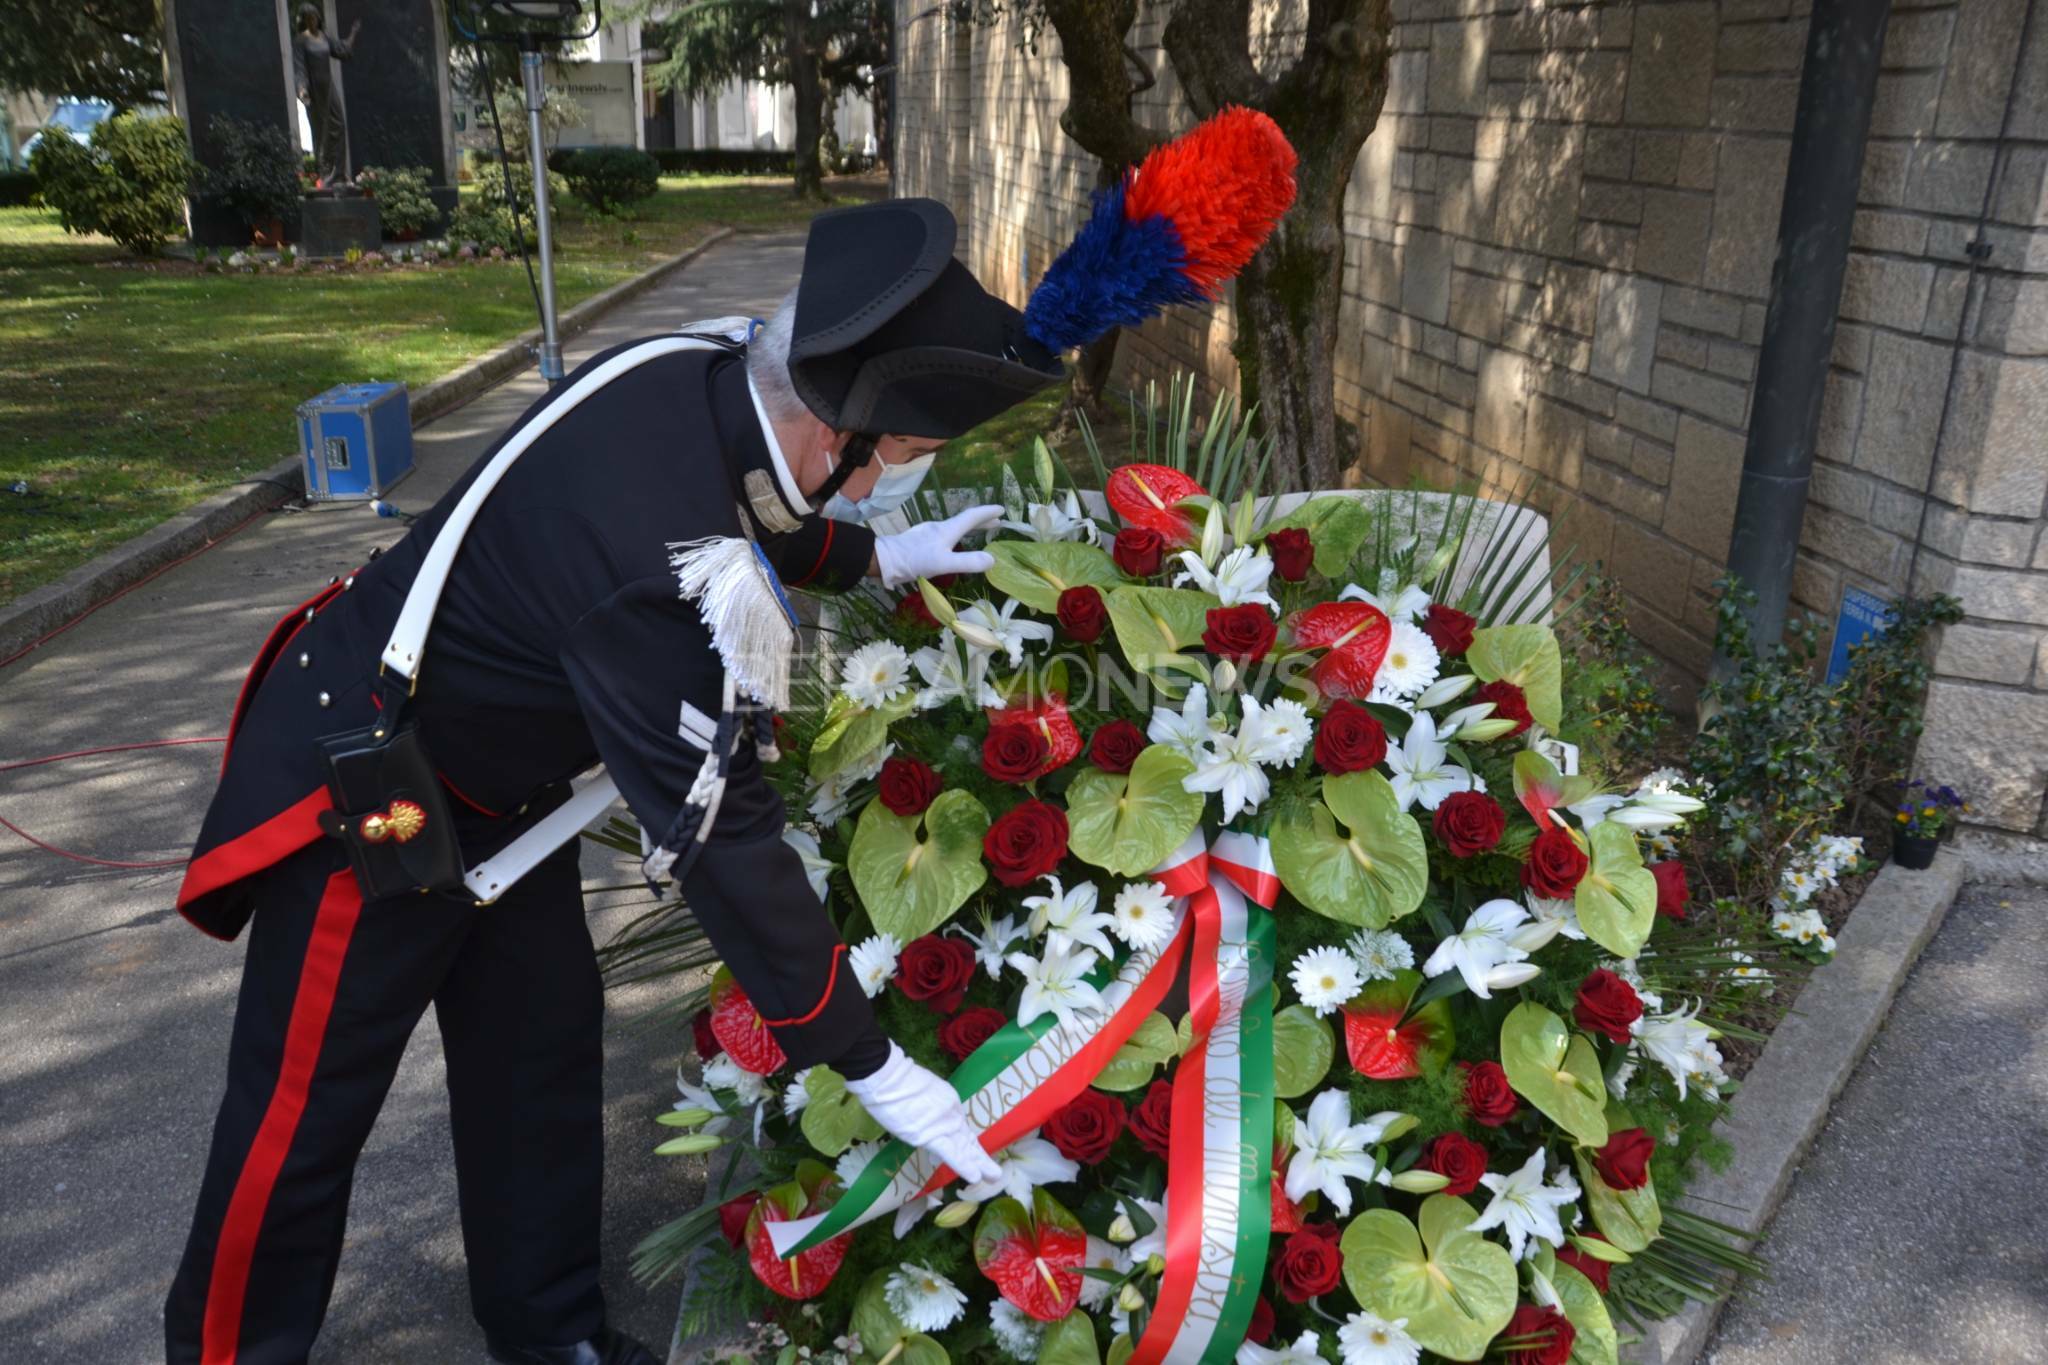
x=87, y=753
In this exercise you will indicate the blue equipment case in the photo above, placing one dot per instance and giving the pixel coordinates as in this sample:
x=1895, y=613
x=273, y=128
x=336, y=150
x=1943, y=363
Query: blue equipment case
x=355, y=441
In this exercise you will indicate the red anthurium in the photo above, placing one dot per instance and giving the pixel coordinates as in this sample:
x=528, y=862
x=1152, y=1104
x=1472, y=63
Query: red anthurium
x=740, y=1029
x=1286, y=1213
x=1049, y=715
x=1145, y=494
x=803, y=1276
x=1384, y=1048
x=1355, y=634
x=1034, y=1256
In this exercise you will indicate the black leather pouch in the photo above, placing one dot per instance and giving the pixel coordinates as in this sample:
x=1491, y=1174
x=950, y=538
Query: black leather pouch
x=391, y=812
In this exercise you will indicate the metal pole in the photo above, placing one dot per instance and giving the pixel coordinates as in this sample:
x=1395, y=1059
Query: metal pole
x=550, y=343
x=1836, y=87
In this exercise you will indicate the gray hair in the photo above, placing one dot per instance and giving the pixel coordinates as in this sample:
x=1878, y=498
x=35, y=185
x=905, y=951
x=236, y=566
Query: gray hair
x=768, y=364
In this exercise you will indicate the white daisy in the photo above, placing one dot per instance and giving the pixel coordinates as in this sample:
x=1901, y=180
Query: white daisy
x=1239, y=579
x=1330, y=1150
x=1281, y=730
x=1024, y=1165
x=797, y=1093
x=1069, y=918
x=1144, y=916
x=1411, y=662
x=924, y=1299
x=1380, y=953
x=1368, y=1339
x=874, y=962
x=1481, y=946
x=992, y=943
x=1015, y=1331
x=1153, y=1243
x=874, y=674
x=1056, y=984
x=1524, y=1207
x=1102, y=1255
x=723, y=1073
x=1397, y=604
x=1306, y=1350
x=1421, y=768
x=1187, y=731
x=1325, y=978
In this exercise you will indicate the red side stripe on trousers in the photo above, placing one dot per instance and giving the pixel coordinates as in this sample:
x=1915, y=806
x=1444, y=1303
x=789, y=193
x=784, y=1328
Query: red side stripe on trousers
x=319, y=976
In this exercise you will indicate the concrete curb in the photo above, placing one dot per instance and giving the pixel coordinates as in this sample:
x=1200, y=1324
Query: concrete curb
x=37, y=613
x=1785, y=1099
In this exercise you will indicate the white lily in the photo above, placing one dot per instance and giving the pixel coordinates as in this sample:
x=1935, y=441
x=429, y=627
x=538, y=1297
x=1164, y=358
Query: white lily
x=996, y=628
x=1026, y=1164
x=953, y=668
x=1682, y=1045
x=1565, y=913
x=992, y=944
x=912, y=1213
x=1536, y=935
x=1234, y=768
x=1461, y=720
x=1056, y=984
x=1069, y=918
x=1306, y=1350
x=1474, y=951
x=1330, y=1150
x=1404, y=603
x=1241, y=577
x=1445, y=690
x=1187, y=731
x=1511, y=975
x=1524, y=1207
x=817, y=867
x=1421, y=770
x=830, y=798
x=700, y=1097
x=1047, y=521
x=1645, y=819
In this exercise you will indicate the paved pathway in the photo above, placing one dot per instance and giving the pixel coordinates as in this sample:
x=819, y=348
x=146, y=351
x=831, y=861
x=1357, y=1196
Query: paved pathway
x=115, y=1013
x=1913, y=1235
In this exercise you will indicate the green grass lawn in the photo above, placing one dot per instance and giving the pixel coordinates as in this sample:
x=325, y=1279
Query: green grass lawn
x=129, y=389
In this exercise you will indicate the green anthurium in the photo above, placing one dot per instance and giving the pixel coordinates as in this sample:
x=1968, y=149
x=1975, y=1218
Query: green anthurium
x=1142, y=1054
x=1455, y=1288
x=1541, y=788
x=833, y=1119
x=1151, y=623
x=1528, y=657
x=1303, y=1048
x=1070, y=1341
x=853, y=732
x=1037, y=572
x=1371, y=875
x=1336, y=527
x=1120, y=1350
x=1630, y=1219
x=1556, y=1070
x=910, y=885
x=1597, y=1342
x=1617, y=898
x=1129, y=822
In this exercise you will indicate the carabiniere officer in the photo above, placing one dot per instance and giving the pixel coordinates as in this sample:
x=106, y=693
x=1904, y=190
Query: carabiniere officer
x=569, y=632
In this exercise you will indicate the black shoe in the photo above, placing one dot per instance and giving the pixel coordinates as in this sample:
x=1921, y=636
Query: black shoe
x=606, y=1348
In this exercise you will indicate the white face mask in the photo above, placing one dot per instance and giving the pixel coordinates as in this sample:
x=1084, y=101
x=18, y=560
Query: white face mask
x=891, y=491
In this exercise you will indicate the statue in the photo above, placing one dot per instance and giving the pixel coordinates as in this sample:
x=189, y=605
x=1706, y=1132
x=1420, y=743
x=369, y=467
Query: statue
x=313, y=56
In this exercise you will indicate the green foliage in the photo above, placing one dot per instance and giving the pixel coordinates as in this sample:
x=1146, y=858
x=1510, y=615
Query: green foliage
x=129, y=184
x=257, y=175
x=492, y=192
x=403, y=203
x=609, y=178
x=485, y=225
x=1611, y=679
x=1883, y=699
x=722, y=161
x=108, y=49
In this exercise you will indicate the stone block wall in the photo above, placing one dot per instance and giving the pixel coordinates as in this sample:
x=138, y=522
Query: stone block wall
x=1560, y=240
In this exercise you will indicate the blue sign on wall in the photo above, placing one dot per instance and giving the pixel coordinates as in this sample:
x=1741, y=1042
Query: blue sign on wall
x=1861, y=615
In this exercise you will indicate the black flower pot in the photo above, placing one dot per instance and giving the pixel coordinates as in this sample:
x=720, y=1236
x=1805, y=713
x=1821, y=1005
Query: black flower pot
x=1915, y=851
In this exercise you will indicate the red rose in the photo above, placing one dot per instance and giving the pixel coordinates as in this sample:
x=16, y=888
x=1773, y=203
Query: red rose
x=1350, y=739
x=1592, y=1267
x=1555, y=865
x=1469, y=823
x=1015, y=752
x=1081, y=613
x=1489, y=1099
x=912, y=609
x=1550, y=1335
x=936, y=971
x=1292, y=553
x=1309, y=1264
x=1138, y=551
x=1242, y=633
x=1026, y=842
x=1508, y=704
x=1672, y=891
x=732, y=1217
x=1152, y=1120
x=907, y=785
x=1116, y=746
x=707, y=1041
x=1607, y=1005
x=1261, y=1329
x=1458, y=1159
x=1087, y=1127
x=1449, y=629
x=969, y=1029
x=1624, y=1162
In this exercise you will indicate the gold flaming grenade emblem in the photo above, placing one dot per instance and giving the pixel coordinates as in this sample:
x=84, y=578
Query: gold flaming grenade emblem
x=402, y=822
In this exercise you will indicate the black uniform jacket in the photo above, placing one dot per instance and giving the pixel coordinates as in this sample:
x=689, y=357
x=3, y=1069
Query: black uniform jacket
x=561, y=640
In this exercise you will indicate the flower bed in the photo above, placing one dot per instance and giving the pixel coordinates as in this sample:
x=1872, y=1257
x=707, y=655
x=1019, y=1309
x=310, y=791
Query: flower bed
x=1247, y=868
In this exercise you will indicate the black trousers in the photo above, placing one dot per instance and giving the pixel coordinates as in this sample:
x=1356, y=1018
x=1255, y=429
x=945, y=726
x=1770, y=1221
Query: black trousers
x=331, y=990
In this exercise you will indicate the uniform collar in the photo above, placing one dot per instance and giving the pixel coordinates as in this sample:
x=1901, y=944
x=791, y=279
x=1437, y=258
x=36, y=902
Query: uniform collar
x=785, y=480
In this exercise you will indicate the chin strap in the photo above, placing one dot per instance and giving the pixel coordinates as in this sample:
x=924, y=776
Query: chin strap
x=860, y=449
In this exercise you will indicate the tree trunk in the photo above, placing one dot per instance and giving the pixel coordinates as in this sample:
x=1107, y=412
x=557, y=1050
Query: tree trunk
x=810, y=94
x=1287, y=300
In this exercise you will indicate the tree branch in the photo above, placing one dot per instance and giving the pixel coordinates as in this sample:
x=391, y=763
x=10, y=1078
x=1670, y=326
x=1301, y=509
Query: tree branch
x=1209, y=42
x=1099, y=88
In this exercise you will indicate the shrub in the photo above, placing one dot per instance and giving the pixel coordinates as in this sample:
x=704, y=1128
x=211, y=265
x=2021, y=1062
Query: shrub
x=724, y=161
x=129, y=184
x=1613, y=681
x=608, y=178
x=1884, y=695
x=404, y=205
x=258, y=175
x=490, y=185
x=487, y=225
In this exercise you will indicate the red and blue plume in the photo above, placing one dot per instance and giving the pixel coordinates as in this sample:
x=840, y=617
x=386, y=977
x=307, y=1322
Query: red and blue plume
x=1171, y=231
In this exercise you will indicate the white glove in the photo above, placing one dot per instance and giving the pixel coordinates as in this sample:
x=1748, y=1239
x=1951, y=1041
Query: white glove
x=926, y=549
x=921, y=1109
